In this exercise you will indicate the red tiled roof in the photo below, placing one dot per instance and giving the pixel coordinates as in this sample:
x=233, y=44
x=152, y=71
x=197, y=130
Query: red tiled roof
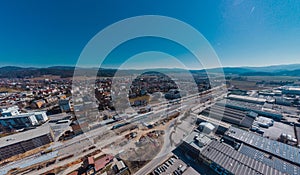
x=74, y=173
x=91, y=161
x=101, y=163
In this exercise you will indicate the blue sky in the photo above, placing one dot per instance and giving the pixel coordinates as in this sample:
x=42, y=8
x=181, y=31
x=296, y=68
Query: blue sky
x=243, y=33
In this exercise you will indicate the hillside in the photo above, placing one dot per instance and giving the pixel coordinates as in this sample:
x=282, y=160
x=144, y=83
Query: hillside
x=67, y=71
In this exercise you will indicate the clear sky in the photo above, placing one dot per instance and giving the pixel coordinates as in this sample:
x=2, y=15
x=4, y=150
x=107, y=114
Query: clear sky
x=243, y=33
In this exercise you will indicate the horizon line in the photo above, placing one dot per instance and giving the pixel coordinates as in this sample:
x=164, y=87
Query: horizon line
x=90, y=67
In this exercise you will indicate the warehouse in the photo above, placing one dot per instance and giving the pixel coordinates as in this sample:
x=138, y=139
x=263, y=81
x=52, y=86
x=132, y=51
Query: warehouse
x=247, y=99
x=274, y=148
x=23, y=120
x=194, y=143
x=232, y=116
x=293, y=90
x=271, y=161
x=18, y=122
x=226, y=160
x=24, y=141
x=257, y=108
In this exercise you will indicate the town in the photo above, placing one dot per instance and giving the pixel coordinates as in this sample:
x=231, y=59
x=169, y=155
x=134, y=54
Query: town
x=47, y=127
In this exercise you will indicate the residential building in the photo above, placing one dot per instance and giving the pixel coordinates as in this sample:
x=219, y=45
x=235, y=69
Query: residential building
x=64, y=105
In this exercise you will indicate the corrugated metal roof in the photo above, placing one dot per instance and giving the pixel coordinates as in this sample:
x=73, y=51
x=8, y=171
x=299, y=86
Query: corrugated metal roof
x=274, y=162
x=26, y=135
x=234, y=161
x=275, y=148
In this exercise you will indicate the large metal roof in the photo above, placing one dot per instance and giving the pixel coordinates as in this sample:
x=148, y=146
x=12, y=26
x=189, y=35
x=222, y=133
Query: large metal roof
x=273, y=147
x=26, y=135
x=236, y=162
x=271, y=161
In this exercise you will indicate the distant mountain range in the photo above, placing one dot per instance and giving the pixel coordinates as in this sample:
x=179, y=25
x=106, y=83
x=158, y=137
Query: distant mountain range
x=21, y=72
x=62, y=71
x=276, y=70
x=67, y=71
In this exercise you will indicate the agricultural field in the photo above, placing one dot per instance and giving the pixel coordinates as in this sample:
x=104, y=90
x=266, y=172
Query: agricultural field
x=254, y=82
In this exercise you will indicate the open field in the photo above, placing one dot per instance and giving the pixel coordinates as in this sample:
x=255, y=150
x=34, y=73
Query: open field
x=245, y=85
x=50, y=77
x=142, y=98
x=250, y=82
x=10, y=90
x=273, y=78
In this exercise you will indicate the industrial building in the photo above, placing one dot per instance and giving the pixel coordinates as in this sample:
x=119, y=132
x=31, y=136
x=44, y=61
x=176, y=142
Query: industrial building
x=291, y=90
x=283, y=101
x=283, y=151
x=225, y=159
x=9, y=111
x=254, y=107
x=269, y=160
x=247, y=99
x=268, y=92
x=194, y=143
x=23, y=120
x=18, y=122
x=24, y=141
x=230, y=115
x=27, y=163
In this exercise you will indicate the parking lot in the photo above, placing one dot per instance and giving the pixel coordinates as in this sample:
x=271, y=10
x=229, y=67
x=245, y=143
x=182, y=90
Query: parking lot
x=275, y=131
x=171, y=166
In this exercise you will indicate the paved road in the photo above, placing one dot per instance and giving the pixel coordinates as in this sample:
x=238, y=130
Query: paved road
x=165, y=152
x=81, y=142
x=152, y=164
